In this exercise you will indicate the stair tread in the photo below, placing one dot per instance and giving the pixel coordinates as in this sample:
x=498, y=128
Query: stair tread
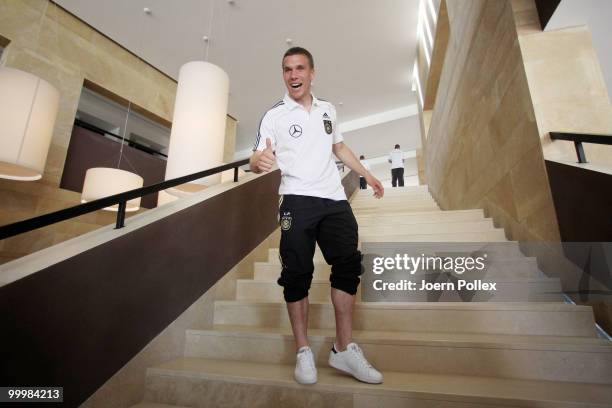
x=145, y=404
x=502, y=279
x=434, y=386
x=467, y=306
x=479, y=211
x=510, y=259
x=399, y=233
x=434, y=339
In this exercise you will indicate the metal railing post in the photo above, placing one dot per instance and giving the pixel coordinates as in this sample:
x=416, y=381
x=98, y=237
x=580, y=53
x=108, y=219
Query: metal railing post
x=235, y=174
x=121, y=215
x=580, y=152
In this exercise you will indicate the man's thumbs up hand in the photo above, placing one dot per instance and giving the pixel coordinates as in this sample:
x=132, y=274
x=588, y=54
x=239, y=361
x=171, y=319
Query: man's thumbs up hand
x=266, y=159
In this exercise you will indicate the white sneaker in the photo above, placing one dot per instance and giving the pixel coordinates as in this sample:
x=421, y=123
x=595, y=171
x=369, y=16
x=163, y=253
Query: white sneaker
x=353, y=362
x=305, y=370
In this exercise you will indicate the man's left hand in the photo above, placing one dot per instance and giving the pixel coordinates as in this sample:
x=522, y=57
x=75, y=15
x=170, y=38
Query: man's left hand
x=376, y=185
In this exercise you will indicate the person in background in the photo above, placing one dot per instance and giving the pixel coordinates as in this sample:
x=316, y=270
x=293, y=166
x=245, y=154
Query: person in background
x=396, y=158
x=362, y=181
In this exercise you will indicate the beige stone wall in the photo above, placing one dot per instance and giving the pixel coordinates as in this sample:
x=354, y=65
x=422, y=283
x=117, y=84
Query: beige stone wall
x=52, y=44
x=568, y=91
x=126, y=387
x=441, y=35
x=483, y=147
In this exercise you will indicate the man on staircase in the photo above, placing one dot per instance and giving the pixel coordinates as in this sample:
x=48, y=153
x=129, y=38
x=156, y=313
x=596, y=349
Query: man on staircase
x=300, y=133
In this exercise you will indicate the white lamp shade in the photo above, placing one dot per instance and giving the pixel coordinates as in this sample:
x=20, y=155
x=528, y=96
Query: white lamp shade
x=28, y=109
x=197, y=137
x=102, y=182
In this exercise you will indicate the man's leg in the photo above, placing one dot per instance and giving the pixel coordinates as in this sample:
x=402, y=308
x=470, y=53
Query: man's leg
x=393, y=177
x=298, y=220
x=362, y=183
x=297, y=246
x=337, y=238
x=400, y=177
x=298, y=315
x=343, y=308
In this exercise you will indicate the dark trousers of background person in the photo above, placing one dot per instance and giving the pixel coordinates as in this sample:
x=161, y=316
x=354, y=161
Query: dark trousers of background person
x=397, y=177
x=362, y=183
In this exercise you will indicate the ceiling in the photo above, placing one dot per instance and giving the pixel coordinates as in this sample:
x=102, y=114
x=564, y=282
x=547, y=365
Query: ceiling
x=364, y=50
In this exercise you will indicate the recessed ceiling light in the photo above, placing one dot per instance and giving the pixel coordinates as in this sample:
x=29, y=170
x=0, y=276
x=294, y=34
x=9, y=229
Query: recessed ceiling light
x=205, y=38
x=340, y=103
x=146, y=10
x=289, y=41
x=231, y=1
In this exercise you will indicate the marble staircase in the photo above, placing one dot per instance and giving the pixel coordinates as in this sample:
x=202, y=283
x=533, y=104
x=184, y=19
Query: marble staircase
x=542, y=353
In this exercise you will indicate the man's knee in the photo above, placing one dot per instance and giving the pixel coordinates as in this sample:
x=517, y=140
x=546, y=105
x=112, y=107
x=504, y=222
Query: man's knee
x=295, y=287
x=345, y=273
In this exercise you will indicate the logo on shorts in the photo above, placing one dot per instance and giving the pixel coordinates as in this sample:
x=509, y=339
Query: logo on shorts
x=295, y=131
x=327, y=123
x=286, y=221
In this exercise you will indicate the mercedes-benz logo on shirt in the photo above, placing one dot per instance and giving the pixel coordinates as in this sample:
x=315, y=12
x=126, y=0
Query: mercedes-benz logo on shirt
x=295, y=131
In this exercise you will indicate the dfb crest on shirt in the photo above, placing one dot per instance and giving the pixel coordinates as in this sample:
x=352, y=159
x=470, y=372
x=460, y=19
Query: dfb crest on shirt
x=327, y=123
x=286, y=221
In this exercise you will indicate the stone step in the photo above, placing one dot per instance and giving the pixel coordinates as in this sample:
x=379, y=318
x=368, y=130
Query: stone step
x=232, y=384
x=502, y=268
x=369, y=195
x=496, y=235
x=391, y=199
x=546, y=319
x=395, y=191
x=422, y=217
x=155, y=405
x=427, y=228
x=495, y=251
x=396, y=209
x=527, y=357
x=507, y=290
x=393, y=202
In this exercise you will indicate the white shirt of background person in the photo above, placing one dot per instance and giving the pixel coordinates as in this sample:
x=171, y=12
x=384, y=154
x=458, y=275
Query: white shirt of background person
x=396, y=158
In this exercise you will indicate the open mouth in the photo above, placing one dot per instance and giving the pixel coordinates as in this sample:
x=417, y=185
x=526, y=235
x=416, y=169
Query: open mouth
x=296, y=85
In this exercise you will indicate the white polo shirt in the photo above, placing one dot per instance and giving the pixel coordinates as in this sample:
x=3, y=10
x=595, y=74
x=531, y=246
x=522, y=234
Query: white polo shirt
x=303, y=143
x=396, y=157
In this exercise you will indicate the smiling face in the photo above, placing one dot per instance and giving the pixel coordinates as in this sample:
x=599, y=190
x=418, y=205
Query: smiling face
x=298, y=74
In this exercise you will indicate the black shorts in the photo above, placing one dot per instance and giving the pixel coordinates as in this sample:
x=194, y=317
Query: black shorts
x=306, y=221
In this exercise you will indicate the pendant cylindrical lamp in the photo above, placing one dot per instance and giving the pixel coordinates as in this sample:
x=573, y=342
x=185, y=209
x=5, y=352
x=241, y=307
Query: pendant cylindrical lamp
x=197, y=137
x=28, y=109
x=102, y=182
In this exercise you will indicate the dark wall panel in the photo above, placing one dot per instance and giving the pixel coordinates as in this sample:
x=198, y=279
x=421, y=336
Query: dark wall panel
x=583, y=202
x=76, y=323
x=89, y=149
x=546, y=9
